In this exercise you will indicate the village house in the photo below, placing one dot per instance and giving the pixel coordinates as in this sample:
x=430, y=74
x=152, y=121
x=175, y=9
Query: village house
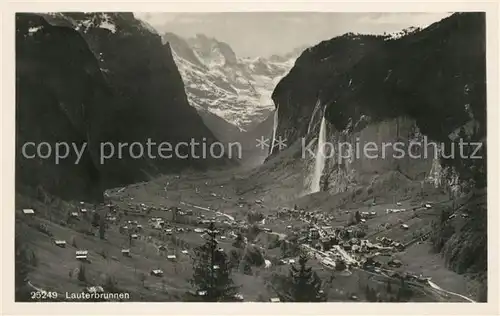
x=60, y=243
x=82, y=255
x=28, y=211
x=157, y=273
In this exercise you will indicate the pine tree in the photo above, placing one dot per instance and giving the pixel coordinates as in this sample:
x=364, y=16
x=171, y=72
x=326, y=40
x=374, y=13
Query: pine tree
x=305, y=285
x=284, y=248
x=247, y=268
x=239, y=241
x=174, y=214
x=357, y=216
x=212, y=273
x=371, y=294
x=234, y=258
x=96, y=219
x=22, y=270
x=404, y=293
x=82, y=275
x=389, y=287
x=102, y=229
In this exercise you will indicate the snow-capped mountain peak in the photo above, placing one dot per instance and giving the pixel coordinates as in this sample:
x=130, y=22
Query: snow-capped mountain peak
x=216, y=80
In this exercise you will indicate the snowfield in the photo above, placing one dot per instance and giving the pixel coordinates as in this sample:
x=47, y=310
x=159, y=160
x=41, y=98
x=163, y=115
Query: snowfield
x=235, y=89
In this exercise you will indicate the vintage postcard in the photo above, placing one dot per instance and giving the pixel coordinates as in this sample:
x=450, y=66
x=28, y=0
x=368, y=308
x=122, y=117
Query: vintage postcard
x=214, y=153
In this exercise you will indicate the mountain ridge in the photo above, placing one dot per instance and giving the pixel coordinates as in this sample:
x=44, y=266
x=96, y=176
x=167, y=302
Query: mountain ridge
x=382, y=89
x=117, y=83
x=235, y=89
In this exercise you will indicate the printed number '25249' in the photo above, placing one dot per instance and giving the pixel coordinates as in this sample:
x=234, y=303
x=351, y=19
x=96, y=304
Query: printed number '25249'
x=39, y=295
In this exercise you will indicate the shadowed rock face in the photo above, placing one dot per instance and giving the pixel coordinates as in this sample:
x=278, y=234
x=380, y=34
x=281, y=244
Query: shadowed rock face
x=93, y=78
x=435, y=77
x=431, y=82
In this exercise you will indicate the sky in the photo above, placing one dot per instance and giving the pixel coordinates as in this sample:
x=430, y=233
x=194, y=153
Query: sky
x=253, y=34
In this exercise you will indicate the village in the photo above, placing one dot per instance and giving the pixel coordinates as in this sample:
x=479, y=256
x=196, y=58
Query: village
x=367, y=239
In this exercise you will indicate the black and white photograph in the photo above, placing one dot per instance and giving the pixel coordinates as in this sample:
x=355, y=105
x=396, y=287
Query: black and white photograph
x=269, y=157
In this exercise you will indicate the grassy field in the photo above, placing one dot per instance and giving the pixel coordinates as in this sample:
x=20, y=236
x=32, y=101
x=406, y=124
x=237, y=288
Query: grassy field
x=57, y=268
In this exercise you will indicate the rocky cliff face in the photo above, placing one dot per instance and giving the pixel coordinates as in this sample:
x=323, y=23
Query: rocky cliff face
x=94, y=78
x=432, y=79
x=427, y=83
x=231, y=94
x=219, y=82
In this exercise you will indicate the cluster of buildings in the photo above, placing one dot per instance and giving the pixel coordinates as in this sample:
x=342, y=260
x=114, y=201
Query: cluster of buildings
x=306, y=216
x=340, y=246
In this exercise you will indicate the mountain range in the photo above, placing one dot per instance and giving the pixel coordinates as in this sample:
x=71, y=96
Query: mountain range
x=90, y=78
x=221, y=83
x=359, y=89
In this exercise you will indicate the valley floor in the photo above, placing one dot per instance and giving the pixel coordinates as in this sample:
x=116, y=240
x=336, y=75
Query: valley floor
x=226, y=197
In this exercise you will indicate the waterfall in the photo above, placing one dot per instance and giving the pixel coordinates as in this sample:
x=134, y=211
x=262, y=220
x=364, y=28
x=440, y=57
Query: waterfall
x=319, y=163
x=275, y=128
x=309, y=126
x=434, y=175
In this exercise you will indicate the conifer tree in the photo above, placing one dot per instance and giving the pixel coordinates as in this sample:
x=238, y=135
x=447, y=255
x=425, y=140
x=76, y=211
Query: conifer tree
x=371, y=294
x=239, y=241
x=404, y=293
x=358, y=217
x=304, y=285
x=96, y=219
x=22, y=270
x=212, y=274
x=389, y=287
x=102, y=228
